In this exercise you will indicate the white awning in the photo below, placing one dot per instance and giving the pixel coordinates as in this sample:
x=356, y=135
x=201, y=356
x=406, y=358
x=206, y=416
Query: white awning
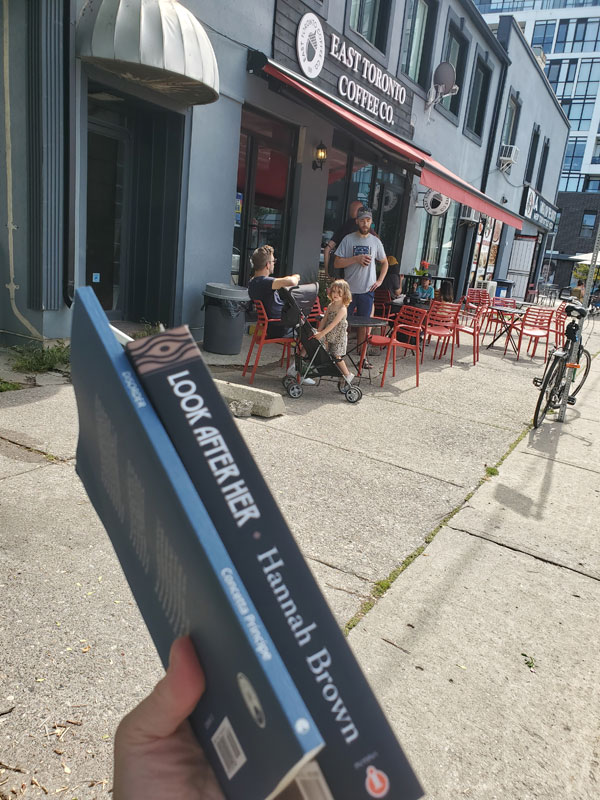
x=158, y=44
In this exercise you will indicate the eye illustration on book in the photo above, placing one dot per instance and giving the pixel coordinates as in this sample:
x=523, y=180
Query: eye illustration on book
x=251, y=699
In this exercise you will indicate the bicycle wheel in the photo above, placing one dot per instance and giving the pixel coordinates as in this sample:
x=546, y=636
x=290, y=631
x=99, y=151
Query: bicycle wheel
x=581, y=374
x=550, y=390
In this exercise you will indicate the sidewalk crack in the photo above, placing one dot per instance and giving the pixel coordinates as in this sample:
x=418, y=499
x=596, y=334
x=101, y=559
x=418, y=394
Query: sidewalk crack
x=525, y=552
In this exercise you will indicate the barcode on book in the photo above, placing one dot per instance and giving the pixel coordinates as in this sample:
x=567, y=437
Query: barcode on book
x=228, y=748
x=312, y=784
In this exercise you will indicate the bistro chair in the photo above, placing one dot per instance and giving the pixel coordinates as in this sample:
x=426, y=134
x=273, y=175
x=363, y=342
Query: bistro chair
x=471, y=324
x=532, y=293
x=260, y=338
x=535, y=323
x=558, y=324
x=441, y=322
x=316, y=313
x=383, y=301
x=477, y=297
x=408, y=322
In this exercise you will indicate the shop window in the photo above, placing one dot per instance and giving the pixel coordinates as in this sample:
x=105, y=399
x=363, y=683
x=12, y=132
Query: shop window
x=533, y=147
x=485, y=253
x=543, y=35
x=478, y=100
x=588, y=223
x=335, y=203
x=542, y=168
x=436, y=240
x=417, y=40
x=263, y=191
x=456, y=53
x=371, y=18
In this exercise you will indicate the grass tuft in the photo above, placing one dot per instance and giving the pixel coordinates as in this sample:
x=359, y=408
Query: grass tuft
x=8, y=386
x=149, y=329
x=35, y=358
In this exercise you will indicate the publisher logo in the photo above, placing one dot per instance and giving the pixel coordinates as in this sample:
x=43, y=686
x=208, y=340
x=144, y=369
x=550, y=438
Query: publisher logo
x=251, y=699
x=377, y=783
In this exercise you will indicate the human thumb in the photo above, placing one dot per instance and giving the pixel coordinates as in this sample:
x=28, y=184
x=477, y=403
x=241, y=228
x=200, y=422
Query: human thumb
x=172, y=700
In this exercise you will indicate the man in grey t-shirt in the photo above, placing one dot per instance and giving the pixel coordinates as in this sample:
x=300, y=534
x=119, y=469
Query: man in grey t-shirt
x=356, y=255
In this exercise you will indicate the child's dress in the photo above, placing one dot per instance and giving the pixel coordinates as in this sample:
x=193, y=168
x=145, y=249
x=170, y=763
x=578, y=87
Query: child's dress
x=337, y=339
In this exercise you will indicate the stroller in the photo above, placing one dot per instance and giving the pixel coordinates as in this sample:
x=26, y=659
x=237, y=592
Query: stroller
x=318, y=362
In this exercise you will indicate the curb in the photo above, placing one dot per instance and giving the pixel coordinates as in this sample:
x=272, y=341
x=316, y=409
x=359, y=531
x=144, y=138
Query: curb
x=264, y=404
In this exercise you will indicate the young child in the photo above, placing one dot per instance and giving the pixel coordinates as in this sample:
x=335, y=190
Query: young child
x=334, y=325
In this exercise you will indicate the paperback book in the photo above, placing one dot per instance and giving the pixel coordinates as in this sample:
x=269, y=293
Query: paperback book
x=252, y=721
x=362, y=758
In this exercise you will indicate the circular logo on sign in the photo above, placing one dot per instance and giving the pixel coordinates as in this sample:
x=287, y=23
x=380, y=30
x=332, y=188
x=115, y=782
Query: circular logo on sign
x=310, y=45
x=435, y=203
x=377, y=783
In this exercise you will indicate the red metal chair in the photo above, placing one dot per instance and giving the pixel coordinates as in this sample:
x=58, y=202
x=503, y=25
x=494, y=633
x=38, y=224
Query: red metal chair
x=535, y=323
x=477, y=297
x=260, y=338
x=382, y=302
x=316, y=313
x=408, y=322
x=441, y=322
x=532, y=293
x=471, y=325
x=558, y=324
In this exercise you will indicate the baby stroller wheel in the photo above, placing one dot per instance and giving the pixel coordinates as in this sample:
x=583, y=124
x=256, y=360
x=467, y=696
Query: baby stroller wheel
x=287, y=380
x=295, y=390
x=353, y=394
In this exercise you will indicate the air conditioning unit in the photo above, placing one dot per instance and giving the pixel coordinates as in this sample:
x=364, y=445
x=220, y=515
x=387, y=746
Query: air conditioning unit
x=489, y=286
x=468, y=214
x=540, y=56
x=509, y=154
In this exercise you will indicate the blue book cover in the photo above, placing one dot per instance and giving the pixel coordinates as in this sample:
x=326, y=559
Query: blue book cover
x=362, y=758
x=252, y=722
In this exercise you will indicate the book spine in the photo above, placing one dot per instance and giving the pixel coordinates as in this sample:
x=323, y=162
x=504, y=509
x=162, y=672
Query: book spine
x=272, y=567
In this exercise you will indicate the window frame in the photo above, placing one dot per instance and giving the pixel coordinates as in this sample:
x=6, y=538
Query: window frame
x=539, y=182
x=590, y=228
x=479, y=60
x=423, y=78
x=455, y=23
x=380, y=56
x=534, y=144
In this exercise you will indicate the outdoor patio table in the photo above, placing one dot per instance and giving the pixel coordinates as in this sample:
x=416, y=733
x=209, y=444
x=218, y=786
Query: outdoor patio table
x=505, y=318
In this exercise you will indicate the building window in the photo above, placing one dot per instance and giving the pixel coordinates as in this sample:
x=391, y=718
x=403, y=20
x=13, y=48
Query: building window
x=371, y=18
x=561, y=76
x=574, y=155
x=596, y=153
x=588, y=223
x=479, y=96
x=591, y=184
x=456, y=53
x=417, y=38
x=535, y=139
x=543, y=35
x=578, y=36
x=511, y=121
x=571, y=183
x=542, y=168
x=588, y=80
x=579, y=113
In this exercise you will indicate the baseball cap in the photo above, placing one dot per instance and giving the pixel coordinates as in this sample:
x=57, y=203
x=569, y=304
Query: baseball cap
x=363, y=211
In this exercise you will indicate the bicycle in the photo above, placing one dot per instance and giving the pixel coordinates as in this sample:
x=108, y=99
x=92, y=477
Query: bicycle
x=566, y=369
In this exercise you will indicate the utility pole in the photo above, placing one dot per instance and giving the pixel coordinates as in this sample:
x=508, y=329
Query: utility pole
x=589, y=284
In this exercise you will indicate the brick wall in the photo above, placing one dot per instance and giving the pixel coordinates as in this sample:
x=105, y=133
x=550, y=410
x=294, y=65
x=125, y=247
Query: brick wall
x=573, y=205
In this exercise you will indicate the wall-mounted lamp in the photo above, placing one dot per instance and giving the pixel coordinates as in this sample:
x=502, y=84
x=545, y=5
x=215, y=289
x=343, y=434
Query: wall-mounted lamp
x=320, y=156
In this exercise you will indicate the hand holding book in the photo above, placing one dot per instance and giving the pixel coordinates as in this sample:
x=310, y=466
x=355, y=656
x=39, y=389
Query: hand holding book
x=156, y=752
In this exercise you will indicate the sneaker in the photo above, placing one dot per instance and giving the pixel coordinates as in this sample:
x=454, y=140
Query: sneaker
x=291, y=371
x=349, y=377
x=367, y=364
x=307, y=381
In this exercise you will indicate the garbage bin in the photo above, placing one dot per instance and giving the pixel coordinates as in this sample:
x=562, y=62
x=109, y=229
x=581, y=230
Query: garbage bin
x=225, y=317
x=504, y=288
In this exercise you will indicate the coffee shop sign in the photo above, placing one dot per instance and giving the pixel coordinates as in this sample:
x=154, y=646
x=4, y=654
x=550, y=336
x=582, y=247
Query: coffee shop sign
x=310, y=47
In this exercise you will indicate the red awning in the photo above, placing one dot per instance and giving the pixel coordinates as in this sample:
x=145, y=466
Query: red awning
x=433, y=174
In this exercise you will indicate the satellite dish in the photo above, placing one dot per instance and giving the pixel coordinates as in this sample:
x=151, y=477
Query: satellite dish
x=444, y=78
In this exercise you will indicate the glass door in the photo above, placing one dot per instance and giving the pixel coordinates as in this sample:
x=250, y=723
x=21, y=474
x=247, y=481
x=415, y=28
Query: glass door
x=263, y=191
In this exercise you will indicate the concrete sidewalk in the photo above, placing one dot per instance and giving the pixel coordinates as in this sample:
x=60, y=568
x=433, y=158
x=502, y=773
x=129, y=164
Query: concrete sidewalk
x=515, y=570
